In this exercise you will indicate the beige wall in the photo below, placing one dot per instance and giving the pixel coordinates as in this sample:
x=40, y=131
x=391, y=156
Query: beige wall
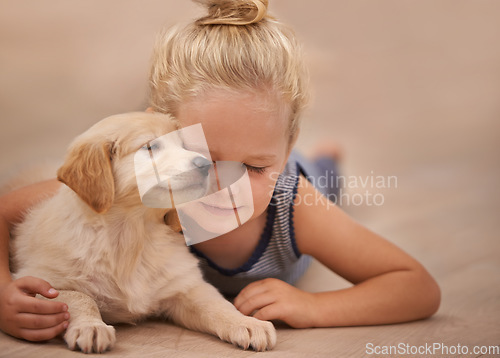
x=403, y=79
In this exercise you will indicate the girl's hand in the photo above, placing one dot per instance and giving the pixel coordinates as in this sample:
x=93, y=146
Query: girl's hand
x=22, y=315
x=275, y=299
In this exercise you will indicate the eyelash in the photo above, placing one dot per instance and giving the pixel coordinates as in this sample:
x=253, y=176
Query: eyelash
x=258, y=170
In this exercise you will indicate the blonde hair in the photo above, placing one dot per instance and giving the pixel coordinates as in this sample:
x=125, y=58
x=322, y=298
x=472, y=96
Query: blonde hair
x=239, y=46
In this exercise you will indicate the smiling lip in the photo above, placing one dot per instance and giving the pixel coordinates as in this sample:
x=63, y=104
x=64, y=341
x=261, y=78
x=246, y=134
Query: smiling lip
x=216, y=210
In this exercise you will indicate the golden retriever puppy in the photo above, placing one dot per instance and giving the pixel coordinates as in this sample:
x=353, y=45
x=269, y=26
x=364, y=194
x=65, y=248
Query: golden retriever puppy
x=114, y=259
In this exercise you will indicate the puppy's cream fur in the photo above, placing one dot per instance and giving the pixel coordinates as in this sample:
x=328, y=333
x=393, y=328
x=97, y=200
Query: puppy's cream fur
x=113, y=259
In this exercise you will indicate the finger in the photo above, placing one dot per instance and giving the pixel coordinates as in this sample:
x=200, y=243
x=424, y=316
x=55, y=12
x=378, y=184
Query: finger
x=38, y=321
x=37, y=335
x=269, y=313
x=254, y=288
x=256, y=302
x=33, y=285
x=28, y=304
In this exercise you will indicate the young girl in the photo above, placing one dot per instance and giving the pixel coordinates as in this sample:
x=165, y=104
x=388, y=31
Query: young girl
x=240, y=74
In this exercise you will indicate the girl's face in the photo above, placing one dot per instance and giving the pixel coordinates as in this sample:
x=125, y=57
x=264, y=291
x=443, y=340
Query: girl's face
x=251, y=128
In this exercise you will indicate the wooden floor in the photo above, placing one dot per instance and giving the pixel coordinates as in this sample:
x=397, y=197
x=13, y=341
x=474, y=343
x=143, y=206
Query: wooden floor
x=408, y=89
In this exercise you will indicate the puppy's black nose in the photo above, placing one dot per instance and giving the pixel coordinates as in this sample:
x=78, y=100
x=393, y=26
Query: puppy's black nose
x=202, y=164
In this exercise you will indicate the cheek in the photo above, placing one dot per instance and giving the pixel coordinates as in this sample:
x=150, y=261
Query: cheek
x=262, y=190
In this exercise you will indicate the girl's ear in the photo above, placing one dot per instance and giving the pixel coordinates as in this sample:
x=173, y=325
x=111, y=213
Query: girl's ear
x=149, y=110
x=88, y=172
x=293, y=139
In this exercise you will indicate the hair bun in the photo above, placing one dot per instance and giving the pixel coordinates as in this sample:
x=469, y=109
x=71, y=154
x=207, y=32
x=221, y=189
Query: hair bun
x=233, y=12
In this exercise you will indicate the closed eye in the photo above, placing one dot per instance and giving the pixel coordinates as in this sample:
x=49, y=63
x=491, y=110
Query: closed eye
x=258, y=170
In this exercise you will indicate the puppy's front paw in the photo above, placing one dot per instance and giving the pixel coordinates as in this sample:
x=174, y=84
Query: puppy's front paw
x=90, y=336
x=250, y=332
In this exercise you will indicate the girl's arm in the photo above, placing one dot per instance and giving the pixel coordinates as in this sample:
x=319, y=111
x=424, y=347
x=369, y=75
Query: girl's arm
x=21, y=314
x=389, y=285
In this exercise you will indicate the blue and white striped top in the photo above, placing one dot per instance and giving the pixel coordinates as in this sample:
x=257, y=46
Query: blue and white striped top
x=276, y=255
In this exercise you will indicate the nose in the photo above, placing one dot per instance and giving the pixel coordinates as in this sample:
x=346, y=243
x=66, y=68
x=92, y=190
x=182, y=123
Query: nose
x=202, y=164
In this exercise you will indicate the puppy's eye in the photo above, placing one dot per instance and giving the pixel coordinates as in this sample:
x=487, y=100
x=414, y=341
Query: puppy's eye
x=151, y=146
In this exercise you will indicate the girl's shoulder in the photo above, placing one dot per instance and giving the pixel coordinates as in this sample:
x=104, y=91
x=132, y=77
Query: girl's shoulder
x=317, y=220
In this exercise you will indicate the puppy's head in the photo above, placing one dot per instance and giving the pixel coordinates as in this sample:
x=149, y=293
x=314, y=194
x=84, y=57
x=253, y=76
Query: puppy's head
x=173, y=169
x=99, y=166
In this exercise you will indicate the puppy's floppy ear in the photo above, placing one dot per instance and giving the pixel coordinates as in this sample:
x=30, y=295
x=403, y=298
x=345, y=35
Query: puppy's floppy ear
x=87, y=171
